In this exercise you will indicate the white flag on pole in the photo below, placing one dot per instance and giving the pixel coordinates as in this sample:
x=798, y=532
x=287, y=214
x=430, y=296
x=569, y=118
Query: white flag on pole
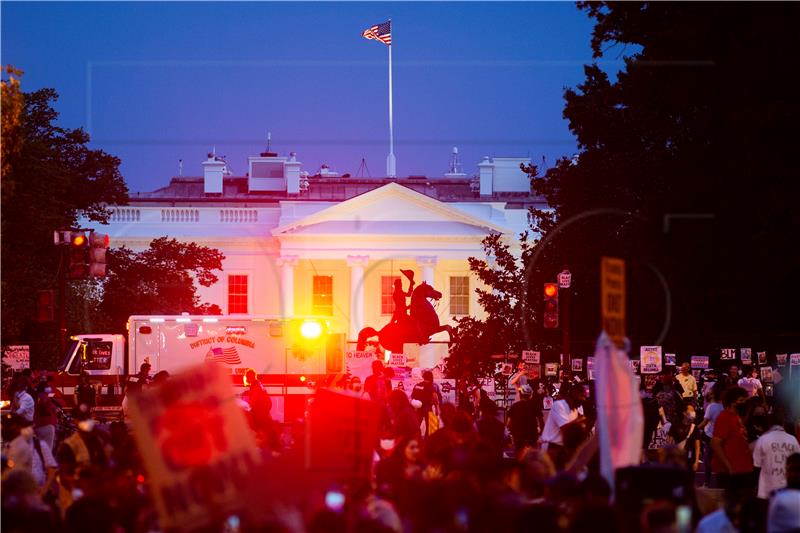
x=620, y=420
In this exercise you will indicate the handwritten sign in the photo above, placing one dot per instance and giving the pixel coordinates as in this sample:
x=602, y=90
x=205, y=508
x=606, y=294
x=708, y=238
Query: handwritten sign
x=612, y=298
x=17, y=356
x=195, y=444
x=531, y=357
x=650, y=358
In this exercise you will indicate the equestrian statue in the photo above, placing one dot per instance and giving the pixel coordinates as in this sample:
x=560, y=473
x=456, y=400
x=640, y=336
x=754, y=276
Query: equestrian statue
x=404, y=328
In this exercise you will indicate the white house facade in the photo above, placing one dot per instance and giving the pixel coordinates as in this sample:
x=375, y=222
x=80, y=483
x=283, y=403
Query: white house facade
x=330, y=245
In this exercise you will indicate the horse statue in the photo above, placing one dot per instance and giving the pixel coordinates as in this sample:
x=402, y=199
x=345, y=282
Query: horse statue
x=417, y=328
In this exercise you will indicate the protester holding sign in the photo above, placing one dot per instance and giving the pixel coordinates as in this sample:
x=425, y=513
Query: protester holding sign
x=687, y=381
x=770, y=453
x=751, y=383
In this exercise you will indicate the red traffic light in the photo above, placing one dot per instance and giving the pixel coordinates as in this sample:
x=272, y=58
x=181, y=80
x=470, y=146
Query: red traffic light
x=550, y=290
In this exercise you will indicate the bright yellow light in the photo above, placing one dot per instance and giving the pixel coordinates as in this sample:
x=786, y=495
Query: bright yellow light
x=550, y=289
x=303, y=379
x=311, y=329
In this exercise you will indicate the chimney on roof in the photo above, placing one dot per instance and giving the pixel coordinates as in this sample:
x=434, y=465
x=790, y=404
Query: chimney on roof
x=291, y=170
x=486, y=173
x=213, y=169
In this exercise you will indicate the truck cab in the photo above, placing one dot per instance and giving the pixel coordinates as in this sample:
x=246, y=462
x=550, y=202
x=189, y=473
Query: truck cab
x=102, y=357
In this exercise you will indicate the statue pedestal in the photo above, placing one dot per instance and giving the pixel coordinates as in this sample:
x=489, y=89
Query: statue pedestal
x=426, y=356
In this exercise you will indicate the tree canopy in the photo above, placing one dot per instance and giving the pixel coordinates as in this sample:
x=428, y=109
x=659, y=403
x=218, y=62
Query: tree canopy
x=50, y=178
x=686, y=170
x=158, y=280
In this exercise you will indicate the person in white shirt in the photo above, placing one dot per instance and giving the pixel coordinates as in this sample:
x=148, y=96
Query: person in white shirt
x=22, y=403
x=751, y=383
x=783, y=515
x=687, y=381
x=565, y=412
x=520, y=379
x=770, y=453
x=713, y=408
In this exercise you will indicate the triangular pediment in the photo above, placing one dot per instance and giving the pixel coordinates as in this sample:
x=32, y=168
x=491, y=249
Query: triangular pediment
x=387, y=210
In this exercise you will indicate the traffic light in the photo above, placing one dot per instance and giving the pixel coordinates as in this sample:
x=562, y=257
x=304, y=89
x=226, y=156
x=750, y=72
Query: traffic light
x=78, y=255
x=98, y=245
x=550, y=318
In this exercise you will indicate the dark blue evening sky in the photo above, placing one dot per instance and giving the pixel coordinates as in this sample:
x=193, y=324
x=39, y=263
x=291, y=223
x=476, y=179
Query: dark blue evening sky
x=159, y=82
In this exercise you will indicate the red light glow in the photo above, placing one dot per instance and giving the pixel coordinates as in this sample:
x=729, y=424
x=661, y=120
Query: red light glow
x=550, y=289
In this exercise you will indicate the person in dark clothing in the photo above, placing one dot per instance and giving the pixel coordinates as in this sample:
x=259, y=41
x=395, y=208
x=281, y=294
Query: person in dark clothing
x=85, y=393
x=490, y=429
x=425, y=393
x=524, y=420
x=399, y=296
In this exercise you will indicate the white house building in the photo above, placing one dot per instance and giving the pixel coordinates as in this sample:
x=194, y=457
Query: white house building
x=332, y=245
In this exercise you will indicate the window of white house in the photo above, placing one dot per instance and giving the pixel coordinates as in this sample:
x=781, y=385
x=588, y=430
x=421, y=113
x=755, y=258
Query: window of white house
x=459, y=295
x=322, y=300
x=387, y=288
x=237, y=293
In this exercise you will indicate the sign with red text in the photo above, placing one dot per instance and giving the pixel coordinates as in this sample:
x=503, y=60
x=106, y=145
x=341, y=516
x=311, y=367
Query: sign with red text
x=195, y=444
x=699, y=361
x=17, y=356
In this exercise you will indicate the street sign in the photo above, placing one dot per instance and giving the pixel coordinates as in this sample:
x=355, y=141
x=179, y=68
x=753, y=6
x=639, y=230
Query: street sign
x=564, y=279
x=612, y=298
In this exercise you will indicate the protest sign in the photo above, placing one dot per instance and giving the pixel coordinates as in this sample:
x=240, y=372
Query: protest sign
x=551, y=369
x=196, y=446
x=448, y=390
x=590, y=363
x=762, y=358
x=531, y=357
x=612, y=298
x=534, y=371
x=547, y=403
x=670, y=359
x=341, y=435
x=766, y=374
x=781, y=359
x=746, y=355
x=699, y=361
x=794, y=359
x=727, y=354
x=17, y=356
x=358, y=363
x=650, y=359
x=577, y=365
x=398, y=359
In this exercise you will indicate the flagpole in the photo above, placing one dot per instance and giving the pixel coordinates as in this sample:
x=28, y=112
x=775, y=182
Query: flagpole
x=390, y=159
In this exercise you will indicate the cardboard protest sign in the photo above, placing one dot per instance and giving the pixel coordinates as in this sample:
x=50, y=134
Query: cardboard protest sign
x=448, y=390
x=551, y=369
x=577, y=365
x=196, y=446
x=762, y=358
x=670, y=359
x=727, y=354
x=531, y=357
x=650, y=359
x=766, y=374
x=341, y=434
x=358, y=363
x=18, y=356
x=746, y=355
x=699, y=361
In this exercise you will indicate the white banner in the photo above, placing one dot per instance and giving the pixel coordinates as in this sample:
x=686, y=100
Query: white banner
x=18, y=356
x=359, y=363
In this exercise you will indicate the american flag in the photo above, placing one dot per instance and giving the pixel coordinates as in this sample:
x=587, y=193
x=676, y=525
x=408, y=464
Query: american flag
x=228, y=355
x=381, y=32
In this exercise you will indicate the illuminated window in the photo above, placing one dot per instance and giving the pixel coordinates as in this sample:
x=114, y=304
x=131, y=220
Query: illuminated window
x=459, y=295
x=387, y=288
x=322, y=300
x=237, y=293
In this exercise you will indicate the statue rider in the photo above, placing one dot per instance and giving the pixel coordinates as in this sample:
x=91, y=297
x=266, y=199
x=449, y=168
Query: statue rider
x=399, y=296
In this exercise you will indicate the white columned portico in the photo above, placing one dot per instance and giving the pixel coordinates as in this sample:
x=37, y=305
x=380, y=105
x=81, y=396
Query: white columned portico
x=356, y=264
x=287, y=264
x=427, y=352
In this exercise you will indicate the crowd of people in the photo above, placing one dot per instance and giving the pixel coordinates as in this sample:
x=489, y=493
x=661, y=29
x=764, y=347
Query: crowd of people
x=439, y=466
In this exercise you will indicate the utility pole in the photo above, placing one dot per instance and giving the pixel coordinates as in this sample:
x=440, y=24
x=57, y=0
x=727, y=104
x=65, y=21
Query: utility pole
x=564, y=283
x=62, y=299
